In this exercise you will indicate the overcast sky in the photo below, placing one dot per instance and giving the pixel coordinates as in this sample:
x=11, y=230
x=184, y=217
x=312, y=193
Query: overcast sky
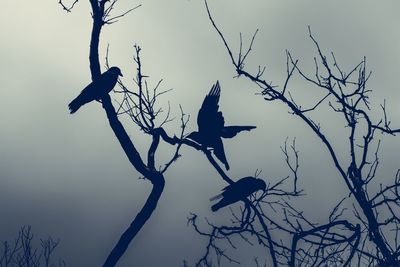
x=68, y=177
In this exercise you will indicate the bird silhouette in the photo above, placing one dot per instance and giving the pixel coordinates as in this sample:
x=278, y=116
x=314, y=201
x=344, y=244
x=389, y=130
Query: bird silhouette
x=212, y=127
x=97, y=89
x=237, y=191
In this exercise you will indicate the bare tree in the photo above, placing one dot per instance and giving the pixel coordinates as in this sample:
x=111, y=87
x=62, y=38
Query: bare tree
x=364, y=235
x=141, y=106
x=141, y=109
x=23, y=252
x=365, y=240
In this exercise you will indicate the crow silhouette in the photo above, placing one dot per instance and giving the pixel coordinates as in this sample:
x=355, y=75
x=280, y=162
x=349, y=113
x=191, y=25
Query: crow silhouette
x=212, y=127
x=97, y=89
x=238, y=191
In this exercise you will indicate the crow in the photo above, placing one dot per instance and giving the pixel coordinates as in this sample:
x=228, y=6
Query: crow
x=237, y=191
x=97, y=89
x=212, y=127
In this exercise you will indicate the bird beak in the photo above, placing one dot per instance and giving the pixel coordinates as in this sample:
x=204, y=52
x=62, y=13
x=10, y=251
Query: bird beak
x=120, y=74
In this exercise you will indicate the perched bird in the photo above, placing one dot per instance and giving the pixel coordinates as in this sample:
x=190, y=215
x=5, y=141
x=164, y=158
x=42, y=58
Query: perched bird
x=97, y=89
x=212, y=127
x=238, y=191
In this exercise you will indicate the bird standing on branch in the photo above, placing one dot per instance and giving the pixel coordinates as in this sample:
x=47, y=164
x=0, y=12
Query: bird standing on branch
x=211, y=123
x=97, y=89
x=237, y=191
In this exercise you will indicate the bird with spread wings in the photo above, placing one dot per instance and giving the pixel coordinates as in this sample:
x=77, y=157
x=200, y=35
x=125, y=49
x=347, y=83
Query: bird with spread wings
x=97, y=89
x=212, y=127
x=238, y=191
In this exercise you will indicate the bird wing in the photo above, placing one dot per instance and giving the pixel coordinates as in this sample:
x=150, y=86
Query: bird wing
x=231, y=131
x=103, y=84
x=95, y=90
x=208, y=117
x=226, y=187
x=231, y=194
x=245, y=181
x=87, y=95
x=221, y=195
x=235, y=192
x=89, y=89
x=246, y=186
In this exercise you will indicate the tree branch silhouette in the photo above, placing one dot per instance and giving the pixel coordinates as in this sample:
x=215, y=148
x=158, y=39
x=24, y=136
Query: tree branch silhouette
x=254, y=221
x=67, y=8
x=345, y=93
x=157, y=179
x=24, y=252
x=101, y=15
x=140, y=106
x=338, y=240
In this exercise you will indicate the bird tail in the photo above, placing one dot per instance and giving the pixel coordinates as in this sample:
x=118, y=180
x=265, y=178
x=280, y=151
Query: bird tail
x=227, y=166
x=220, y=153
x=217, y=206
x=216, y=197
x=75, y=105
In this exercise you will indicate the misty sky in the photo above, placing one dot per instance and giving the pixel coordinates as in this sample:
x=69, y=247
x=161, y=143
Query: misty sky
x=68, y=177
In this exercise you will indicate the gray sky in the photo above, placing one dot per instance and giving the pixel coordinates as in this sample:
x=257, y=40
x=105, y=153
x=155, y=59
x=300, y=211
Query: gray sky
x=88, y=198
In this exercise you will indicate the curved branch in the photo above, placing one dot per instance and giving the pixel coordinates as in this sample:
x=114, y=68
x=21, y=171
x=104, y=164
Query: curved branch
x=156, y=178
x=140, y=219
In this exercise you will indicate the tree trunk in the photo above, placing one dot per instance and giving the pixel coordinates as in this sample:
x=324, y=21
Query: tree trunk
x=156, y=178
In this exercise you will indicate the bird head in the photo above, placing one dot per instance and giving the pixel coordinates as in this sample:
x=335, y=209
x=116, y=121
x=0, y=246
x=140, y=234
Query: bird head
x=115, y=71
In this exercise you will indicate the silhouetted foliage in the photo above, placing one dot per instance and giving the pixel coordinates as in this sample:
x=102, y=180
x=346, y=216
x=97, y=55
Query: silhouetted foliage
x=24, y=251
